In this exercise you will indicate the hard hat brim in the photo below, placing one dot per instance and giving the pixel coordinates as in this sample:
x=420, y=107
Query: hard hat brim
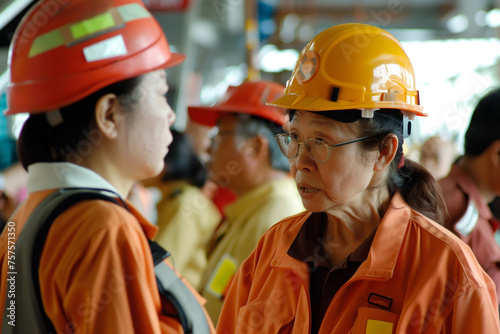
x=309, y=103
x=175, y=59
x=210, y=115
x=21, y=107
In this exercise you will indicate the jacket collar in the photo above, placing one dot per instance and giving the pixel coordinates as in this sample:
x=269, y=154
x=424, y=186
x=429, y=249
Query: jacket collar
x=55, y=175
x=386, y=243
x=465, y=183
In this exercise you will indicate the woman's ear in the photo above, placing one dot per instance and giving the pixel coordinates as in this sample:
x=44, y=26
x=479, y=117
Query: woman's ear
x=387, y=152
x=107, y=114
x=494, y=153
x=258, y=146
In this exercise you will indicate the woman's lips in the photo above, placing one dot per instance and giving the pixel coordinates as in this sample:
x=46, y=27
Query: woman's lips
x=307, y=191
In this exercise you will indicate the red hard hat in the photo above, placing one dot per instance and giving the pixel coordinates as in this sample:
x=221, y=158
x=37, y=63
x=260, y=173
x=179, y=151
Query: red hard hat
x=248, y=98
x=64, y=50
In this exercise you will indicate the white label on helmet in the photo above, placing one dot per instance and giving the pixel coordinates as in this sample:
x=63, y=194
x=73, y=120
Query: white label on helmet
x=109, y=48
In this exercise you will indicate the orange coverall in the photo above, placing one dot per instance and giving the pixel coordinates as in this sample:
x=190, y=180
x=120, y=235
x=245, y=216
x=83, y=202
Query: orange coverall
x=432, y=278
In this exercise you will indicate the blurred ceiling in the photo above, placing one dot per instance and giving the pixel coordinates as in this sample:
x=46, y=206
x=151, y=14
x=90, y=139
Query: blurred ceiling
x=426, y=15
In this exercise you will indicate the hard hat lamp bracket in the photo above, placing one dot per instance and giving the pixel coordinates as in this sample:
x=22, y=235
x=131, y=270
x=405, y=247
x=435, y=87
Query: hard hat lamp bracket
x=368, y=112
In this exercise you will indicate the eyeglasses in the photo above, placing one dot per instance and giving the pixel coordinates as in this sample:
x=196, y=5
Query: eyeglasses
x=319, y=151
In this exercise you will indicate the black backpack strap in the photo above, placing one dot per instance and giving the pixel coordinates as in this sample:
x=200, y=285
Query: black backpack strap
x=29, y=247
x=172, y=288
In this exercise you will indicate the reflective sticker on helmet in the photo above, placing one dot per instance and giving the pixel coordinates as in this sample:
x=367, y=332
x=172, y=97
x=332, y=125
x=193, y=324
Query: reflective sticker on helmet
x=109, y=48
x=308, y=66
x=91, y=26
x=133, y=12
x=73, y=33
x=46, y=42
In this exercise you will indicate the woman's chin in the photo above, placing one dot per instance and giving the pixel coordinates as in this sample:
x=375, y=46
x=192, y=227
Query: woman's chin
x=312, y=206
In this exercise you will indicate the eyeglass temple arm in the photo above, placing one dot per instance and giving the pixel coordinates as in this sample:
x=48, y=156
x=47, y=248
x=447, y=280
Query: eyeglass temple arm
x=350, y=141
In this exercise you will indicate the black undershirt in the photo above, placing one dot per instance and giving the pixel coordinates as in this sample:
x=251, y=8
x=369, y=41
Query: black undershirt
x=326, y=279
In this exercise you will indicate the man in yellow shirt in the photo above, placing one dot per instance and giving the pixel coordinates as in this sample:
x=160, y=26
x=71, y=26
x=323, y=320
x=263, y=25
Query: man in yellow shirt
x=186, y=218
x=245, y=158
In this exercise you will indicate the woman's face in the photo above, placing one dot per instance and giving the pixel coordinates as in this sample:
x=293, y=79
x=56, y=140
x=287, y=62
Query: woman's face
x=148, y=127
x=343, y=179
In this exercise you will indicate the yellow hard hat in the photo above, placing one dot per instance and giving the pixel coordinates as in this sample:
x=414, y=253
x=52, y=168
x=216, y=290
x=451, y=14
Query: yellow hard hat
x=352, y=66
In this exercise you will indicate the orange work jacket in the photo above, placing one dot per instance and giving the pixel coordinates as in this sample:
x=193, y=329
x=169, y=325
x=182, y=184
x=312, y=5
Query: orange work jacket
x=96, y=270
x=418, y=278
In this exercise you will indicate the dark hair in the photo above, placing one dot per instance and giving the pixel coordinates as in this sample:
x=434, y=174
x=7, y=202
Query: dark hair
x=416, y=185
x=77, y=134
x=251, y=126
x=483, y=125
x=182, y=163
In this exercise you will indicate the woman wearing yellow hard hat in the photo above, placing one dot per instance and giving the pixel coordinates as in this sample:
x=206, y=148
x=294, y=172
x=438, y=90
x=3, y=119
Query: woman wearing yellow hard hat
x=76, y=257
x=369, y=254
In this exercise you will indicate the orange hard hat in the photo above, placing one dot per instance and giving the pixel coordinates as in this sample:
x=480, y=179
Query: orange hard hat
x=63, y=51
x=248, y=98
x=352, y=67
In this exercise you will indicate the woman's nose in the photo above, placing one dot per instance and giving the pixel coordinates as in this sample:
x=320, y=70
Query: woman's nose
x=303, y=160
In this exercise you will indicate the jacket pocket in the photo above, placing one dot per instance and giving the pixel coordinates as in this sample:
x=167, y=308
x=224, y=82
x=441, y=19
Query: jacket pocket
x=375, y=321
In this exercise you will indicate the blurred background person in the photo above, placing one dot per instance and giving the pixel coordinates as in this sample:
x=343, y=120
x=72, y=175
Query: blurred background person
x=186, y=218
x=201, y=136
x=437, y=156
x=474, y=181
x=245, y=158
x=13, y=177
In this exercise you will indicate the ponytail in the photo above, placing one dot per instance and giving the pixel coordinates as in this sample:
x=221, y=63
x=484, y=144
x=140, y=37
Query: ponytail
x=415, y=184
x=420, y=190
x=34, y=143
